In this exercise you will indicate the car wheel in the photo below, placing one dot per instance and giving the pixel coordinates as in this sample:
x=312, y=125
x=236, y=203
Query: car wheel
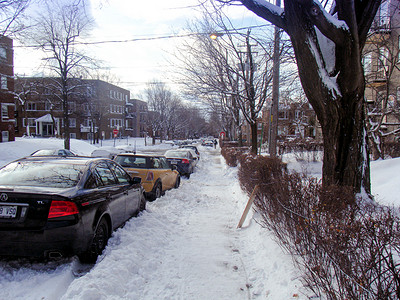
x=177, y=182
x=99, y=242
x=158, y=191
x=143, y=201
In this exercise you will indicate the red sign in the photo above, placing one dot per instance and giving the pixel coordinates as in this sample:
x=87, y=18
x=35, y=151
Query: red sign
x=222, y=135
x=115, y=132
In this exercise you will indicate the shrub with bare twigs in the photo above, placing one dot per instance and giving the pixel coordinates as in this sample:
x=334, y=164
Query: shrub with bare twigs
x=347, y=250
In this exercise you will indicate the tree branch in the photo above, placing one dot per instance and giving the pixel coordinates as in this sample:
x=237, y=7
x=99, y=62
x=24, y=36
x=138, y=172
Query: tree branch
x=267, y=11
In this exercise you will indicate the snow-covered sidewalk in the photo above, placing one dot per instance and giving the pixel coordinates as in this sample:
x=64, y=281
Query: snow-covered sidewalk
x=185, y=246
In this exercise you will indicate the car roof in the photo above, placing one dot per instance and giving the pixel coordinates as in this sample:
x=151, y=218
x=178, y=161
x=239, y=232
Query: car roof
x=141, y=154
x=82, y=160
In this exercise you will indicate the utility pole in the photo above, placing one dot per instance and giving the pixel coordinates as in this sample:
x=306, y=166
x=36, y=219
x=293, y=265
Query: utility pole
x=275, y=92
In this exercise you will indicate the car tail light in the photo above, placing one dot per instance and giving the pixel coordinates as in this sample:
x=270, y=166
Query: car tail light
x=185, y=161
x=150, y=176
x=62, y=209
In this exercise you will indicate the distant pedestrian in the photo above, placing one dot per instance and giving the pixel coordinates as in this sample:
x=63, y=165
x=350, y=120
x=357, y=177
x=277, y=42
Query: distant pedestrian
x=215, y=144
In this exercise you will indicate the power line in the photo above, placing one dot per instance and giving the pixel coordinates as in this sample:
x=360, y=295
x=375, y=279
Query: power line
x=162, y=37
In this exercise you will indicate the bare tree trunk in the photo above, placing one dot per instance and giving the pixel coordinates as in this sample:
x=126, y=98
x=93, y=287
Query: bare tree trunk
x=254, y=142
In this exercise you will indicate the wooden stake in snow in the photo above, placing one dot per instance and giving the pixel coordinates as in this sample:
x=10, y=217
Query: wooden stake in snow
x=247, y=209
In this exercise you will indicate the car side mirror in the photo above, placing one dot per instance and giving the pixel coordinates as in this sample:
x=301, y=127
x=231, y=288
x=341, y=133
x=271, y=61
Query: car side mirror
x=136, y=180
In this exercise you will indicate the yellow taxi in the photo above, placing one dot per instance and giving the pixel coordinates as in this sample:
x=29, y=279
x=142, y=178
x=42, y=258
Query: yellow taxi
x=157, y=175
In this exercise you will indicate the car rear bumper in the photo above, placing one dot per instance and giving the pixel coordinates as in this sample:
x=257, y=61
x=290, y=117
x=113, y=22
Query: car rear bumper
x=55, y=242
x=183, y=169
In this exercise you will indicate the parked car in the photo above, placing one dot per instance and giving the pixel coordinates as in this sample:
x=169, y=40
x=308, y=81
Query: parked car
x=52, y=152
x=156, y=174
x=106, y=152
x=192, y=147
x=208, y=143
x=184, y=159
x=61, y=206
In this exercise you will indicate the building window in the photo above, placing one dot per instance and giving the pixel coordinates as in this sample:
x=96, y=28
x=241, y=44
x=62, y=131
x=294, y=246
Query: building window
x=4, y=112
x=298, y=114
x=31, y=122
x=367, y=63
x=72, y=135
x=31, y=106
x=3, y=52
x=4, y=82
x=116, y=123
x=71, y=107
x=383, y=61
x=87, y=122
x=72, y=122
x=283, y=115
x=398, y=45
x=47, y=106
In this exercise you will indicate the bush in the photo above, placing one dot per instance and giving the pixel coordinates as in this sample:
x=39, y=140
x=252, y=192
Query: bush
x=233, y=155
x=347, y=250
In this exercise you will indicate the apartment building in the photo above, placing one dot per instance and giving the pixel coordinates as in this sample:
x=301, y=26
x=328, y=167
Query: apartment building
x=381, y=59
x=95, y=109
x=7, y=120
x=136, y=118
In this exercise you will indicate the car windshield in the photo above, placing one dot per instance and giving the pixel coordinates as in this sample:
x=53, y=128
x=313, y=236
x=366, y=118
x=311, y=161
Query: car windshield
x=44, y=152
x=130, y=161
x=176, y=154
x=41, y=174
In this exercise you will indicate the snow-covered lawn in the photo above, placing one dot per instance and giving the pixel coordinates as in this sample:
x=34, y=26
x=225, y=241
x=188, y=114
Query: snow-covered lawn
x=185, y=246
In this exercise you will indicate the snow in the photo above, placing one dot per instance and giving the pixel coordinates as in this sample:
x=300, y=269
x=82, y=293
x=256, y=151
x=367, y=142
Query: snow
x=184, y=246
x=274, y=9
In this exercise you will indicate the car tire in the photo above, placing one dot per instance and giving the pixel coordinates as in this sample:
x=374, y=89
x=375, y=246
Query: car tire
x=158, y=191
x=99, y=242
x=177, y=182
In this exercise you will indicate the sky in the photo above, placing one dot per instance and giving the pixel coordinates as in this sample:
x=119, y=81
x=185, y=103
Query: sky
x=150, y=56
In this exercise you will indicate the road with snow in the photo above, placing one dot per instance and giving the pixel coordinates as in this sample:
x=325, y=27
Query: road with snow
x=185, y=246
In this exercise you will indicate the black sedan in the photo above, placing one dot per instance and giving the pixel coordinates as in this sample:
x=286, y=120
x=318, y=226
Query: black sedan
x=184, y=159
x=61, y=206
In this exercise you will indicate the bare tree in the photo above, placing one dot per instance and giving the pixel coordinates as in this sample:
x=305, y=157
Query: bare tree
x=57, y=32
x=236, y=69
x=162, y=101
x=10, y=15
x=328, y=38
x=381, y=64
x=24, y=91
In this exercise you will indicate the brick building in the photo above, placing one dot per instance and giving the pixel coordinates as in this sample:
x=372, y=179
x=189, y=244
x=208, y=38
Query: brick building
x=95, y=109
x=7, y=120
x=136, y=118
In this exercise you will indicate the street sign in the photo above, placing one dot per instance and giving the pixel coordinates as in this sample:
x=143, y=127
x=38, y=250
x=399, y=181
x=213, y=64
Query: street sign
x=115, y=132
x=222, y=135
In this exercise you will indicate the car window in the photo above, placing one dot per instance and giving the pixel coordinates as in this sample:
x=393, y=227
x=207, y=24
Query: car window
x=121, y=175
x=164, y=163
x=93, y=181
x=157, y=163
x=129, y=161
x=39, y=173
x=106, y=176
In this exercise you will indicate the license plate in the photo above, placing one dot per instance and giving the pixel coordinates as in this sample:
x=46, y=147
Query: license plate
x=174, y=161
x=8, y=211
